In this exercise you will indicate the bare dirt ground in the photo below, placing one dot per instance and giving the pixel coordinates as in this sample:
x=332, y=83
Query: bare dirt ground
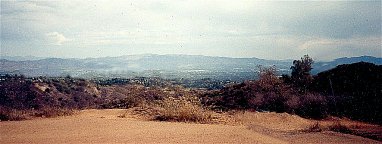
x=105, y=126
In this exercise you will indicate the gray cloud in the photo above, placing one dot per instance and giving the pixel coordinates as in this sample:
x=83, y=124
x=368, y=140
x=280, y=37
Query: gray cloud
x=273, y=30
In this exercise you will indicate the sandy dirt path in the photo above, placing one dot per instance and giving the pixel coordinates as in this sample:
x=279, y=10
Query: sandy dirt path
x=104, y=126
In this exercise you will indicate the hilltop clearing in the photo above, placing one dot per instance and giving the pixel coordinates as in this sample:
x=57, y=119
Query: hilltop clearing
x=101, y=126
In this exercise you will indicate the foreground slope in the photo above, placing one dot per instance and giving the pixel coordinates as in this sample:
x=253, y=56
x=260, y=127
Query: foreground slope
x=101, y=126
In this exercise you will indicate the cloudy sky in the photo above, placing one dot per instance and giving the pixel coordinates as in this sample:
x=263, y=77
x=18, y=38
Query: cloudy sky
x=269, y=30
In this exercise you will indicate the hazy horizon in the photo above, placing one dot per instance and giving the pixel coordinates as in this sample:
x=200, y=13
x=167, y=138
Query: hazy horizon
x=238, y=29
x=30, y=57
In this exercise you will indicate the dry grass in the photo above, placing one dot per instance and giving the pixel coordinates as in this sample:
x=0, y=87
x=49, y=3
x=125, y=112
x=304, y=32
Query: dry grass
x=180, y=109
x=316, y=127
x=335, y=126
x=14, y=115
x=338, y=127
x=17, y=115
x=54, y=112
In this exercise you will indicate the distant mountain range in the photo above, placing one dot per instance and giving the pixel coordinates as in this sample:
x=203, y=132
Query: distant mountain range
x=167, y=66
x=323, y=66
x=21, y=58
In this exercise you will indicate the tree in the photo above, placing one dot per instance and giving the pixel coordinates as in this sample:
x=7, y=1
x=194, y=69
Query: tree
x=301, y=72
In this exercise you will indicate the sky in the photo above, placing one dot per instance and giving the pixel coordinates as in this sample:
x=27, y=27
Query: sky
x=239, y=28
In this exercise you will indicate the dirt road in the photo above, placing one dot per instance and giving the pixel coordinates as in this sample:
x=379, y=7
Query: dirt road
x=104, y=126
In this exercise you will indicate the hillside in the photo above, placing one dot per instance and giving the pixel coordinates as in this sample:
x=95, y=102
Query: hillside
x=353, y=90
x=25, y=98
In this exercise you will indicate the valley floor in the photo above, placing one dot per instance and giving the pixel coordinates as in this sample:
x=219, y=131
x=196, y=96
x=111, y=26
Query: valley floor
x=104, y=126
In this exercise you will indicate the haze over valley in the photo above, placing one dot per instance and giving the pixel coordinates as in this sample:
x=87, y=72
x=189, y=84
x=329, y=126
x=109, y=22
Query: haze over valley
x=165, y=66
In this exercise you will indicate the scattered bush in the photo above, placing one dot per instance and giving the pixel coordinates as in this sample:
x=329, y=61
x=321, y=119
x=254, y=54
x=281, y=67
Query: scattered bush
x=183, y=109
x=13, y=114
x=316, y=127
x=7, y=114
x=53, y=112
x=268, y=93
x=312, y=105
x=351, y=91
x=338, y=127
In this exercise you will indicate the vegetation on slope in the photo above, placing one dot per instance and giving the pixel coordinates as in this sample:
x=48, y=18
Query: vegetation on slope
x=352, y=91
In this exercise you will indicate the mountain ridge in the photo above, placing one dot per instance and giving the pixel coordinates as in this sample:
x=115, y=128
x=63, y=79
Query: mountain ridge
x=29, y=58
x=168, y=66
